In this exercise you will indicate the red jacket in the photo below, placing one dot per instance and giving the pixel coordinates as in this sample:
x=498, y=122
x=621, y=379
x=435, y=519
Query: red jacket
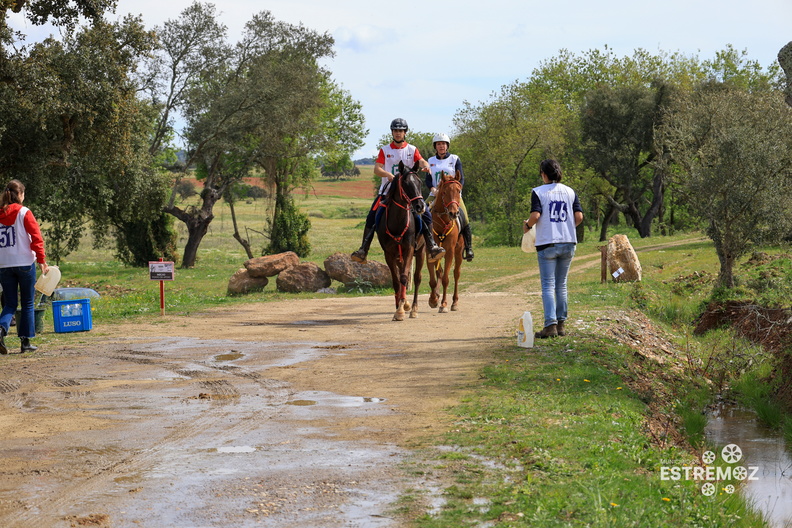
x=8, y=216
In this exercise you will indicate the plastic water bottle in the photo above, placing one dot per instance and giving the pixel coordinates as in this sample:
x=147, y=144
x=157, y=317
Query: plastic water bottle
x=525, y=335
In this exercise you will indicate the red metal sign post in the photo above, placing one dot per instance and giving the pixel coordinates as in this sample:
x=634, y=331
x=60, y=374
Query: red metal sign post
x=161, y=271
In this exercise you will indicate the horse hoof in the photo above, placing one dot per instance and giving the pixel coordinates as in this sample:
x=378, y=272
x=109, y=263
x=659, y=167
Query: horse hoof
x=413, y=315
x=398, y=317
x=454, y=308
x=407, y=306
x=443, y=309
x=432, y=303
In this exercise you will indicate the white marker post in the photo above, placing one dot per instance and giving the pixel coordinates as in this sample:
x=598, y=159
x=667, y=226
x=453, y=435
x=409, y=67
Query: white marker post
x=161, y=271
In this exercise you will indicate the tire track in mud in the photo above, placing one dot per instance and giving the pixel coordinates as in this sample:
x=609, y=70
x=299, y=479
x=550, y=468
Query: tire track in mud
x=102, y=466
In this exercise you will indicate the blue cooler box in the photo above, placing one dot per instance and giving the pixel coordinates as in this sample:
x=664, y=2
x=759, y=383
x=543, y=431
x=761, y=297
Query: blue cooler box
x=73, y=315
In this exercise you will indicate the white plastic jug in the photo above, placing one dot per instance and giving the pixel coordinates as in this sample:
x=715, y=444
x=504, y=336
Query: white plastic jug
x=528, y=241
x=47, y=282
x=525, y=335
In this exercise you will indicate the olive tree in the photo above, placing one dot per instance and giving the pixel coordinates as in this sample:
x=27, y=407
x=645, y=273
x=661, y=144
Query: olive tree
x=734, y=153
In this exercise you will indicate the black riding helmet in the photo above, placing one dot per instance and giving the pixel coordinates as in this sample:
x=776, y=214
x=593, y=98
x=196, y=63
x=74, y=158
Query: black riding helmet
x=399, y=124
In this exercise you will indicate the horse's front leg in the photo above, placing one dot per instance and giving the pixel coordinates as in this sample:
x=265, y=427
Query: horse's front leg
x=433, y=297
x=457, y=273
x=401, y=297
x=449, y=259
x=416, y=283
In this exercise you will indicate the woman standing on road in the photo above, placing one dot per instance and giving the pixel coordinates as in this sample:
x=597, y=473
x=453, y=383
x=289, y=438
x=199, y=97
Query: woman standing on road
x=556, y=212
x=21, y=246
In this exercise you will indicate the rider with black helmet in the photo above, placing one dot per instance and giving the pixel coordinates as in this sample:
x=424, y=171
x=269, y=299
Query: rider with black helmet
x=386, y=166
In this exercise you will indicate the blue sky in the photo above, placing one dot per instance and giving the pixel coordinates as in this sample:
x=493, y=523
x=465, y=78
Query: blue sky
x=422, y=60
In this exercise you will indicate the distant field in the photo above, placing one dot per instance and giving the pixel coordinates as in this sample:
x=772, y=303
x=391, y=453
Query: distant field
x=359, y=187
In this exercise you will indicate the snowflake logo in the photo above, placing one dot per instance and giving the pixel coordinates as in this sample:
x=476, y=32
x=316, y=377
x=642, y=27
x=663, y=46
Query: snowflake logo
x=729, y=489
x=740, y=473
x=708, y=489
x=731, y=453
x=708, y=457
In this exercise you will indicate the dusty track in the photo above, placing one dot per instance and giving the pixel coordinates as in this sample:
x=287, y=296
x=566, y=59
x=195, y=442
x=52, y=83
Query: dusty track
x=293, y=413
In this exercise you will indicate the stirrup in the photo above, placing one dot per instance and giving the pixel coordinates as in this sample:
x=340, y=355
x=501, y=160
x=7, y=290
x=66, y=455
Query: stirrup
x=435, y=253
x=468, y=254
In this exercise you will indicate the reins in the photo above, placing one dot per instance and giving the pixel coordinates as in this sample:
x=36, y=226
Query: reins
x=449, y=226
x=403, y=195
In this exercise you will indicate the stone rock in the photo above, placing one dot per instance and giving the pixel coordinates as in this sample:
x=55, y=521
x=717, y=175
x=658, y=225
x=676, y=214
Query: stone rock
x=341, y=267
x=622, y=256
x=271, y=265
x=304, y=277
x=241, y=282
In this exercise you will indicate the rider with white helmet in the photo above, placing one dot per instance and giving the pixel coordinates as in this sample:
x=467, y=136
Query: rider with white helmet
x=445, y=162
x=386, y=166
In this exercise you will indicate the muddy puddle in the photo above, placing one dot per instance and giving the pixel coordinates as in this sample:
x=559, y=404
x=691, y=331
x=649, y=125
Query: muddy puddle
x=185, y=432
x=765, y=455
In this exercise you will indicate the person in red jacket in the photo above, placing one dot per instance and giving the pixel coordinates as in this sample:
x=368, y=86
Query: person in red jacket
x=21, y=246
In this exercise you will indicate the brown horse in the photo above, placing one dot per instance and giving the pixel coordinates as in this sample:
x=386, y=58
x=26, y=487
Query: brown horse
x=400, y=237
x=445, y=212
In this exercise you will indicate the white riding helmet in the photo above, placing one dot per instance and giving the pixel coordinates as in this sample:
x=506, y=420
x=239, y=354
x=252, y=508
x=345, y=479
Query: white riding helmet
x=441, y=137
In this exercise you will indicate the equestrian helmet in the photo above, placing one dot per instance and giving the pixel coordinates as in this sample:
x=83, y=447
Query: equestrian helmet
x=440, y=137
x=399, y=124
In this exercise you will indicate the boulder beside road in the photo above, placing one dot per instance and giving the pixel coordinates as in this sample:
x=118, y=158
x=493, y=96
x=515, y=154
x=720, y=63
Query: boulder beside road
x=623, y=263
x=241, y=282
x=271, y=265
x=305, y=277
x=341, y=267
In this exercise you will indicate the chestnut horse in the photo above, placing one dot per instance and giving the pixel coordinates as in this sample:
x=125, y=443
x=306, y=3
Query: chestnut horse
x=445, y=224
x=400, y=237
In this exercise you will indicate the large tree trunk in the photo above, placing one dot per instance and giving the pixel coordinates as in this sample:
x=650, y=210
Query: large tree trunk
x=726, y=274
x=606, y=222
x=197, y=221
x=658, y=189
x=196, y=230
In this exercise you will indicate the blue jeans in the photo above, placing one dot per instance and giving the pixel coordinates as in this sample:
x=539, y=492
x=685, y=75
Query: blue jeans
x=21, y=278
x=554, y=265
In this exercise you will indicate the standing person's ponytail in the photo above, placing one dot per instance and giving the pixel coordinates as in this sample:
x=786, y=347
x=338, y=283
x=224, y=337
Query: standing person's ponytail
x=12, y=193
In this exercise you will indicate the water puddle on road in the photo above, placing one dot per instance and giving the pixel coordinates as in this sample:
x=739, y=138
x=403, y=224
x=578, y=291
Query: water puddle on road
x=770, y=489
x=319, y=398
x=301, y=403
x=232, y=356
x=234, y=449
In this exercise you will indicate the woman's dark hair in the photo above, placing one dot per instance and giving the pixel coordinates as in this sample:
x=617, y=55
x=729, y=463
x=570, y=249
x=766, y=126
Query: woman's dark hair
x=12, y=193
x=552, y=170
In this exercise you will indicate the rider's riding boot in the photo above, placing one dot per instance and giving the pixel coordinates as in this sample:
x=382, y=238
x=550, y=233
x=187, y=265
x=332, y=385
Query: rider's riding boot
x=435, y=251
x=467, y=236
x=368, y=236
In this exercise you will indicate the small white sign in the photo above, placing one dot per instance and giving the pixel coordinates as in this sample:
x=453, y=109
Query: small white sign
x=161, y=270
x=617, y=273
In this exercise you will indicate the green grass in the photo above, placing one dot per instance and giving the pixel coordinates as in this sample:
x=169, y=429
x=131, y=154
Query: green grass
x=555, y=438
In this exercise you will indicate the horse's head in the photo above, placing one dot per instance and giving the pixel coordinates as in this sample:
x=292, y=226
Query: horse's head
x=409, y=185
x=449, y=192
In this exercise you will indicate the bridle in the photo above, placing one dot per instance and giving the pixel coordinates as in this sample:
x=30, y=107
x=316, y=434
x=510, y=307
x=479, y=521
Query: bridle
x=407, y=205
x=447, y=226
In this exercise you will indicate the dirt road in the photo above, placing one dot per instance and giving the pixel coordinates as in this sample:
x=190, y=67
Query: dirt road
x=293, y=413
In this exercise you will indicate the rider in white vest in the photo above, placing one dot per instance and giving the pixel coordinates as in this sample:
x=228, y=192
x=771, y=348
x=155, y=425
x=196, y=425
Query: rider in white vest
x=387, y=166
x=445, y=162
